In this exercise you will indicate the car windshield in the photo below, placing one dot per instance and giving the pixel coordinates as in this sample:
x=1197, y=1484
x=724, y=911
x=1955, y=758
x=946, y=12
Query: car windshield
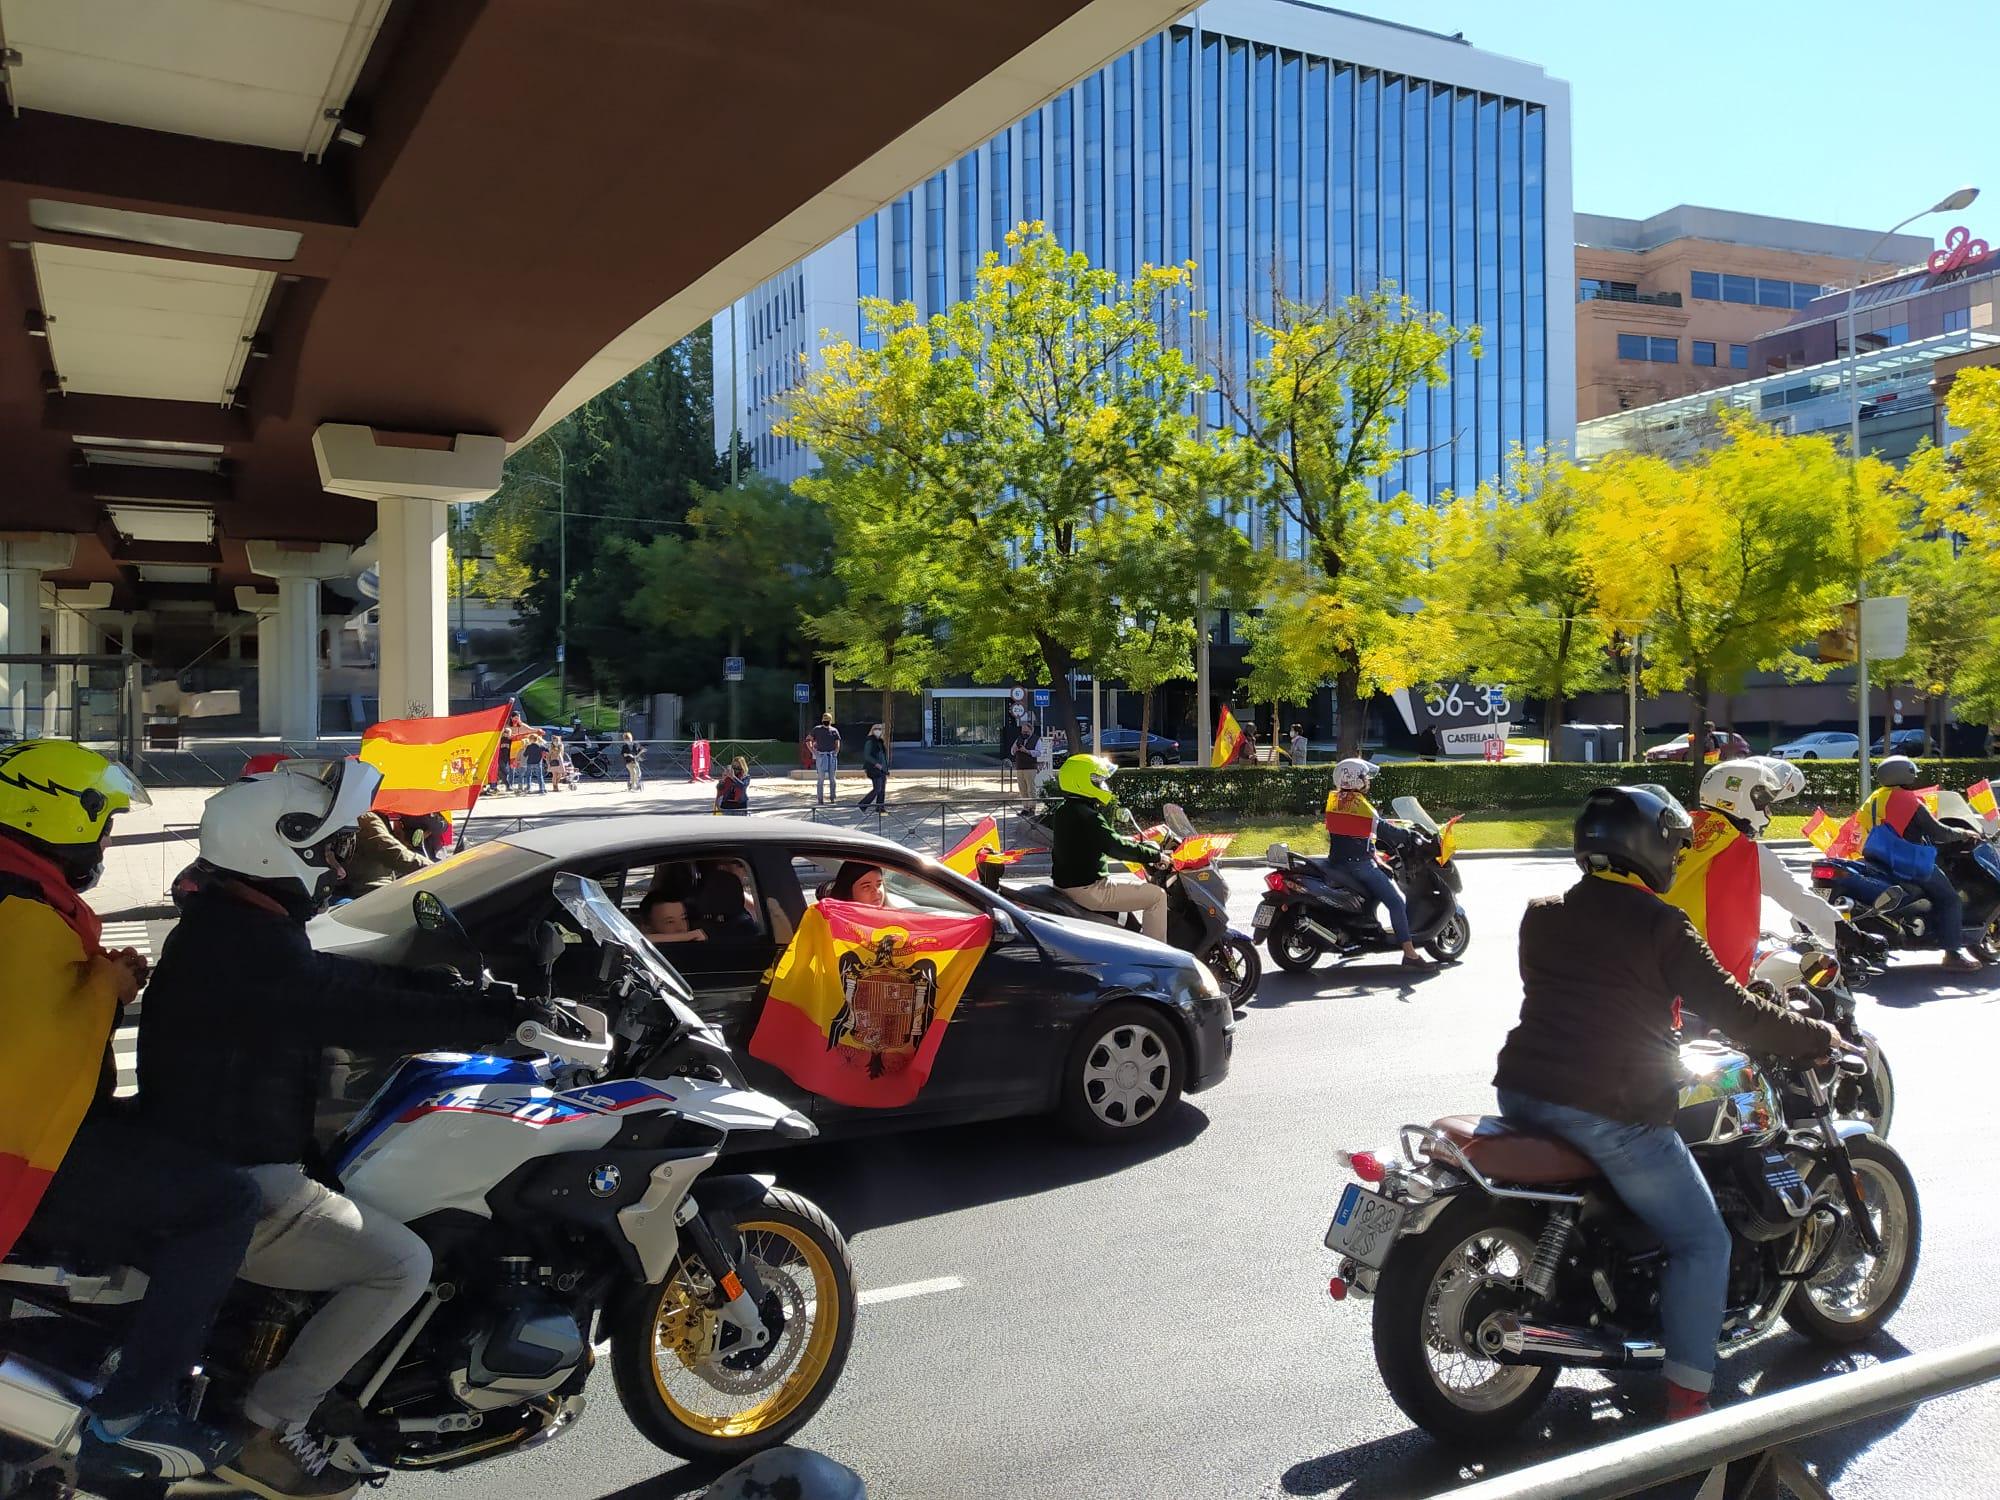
x=457, y=881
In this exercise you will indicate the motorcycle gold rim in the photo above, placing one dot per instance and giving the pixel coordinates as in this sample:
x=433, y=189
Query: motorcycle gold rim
x=779, y=1248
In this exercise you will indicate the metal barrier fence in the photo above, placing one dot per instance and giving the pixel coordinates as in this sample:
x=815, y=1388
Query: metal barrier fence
x=221, y=761
x=1756, y=1434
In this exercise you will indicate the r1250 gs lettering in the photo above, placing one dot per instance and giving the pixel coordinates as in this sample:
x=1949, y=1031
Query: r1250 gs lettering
x=564, y=1197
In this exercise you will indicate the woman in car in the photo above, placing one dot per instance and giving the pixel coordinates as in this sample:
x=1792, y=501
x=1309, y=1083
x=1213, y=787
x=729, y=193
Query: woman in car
x=857, y=882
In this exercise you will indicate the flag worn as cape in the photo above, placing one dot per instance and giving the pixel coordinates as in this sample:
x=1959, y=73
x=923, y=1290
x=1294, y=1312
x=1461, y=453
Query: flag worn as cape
x=1228, y=739
x=433, y=765
x=856, y=1007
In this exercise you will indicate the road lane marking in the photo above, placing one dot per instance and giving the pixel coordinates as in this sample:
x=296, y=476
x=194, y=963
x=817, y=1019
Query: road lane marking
x=909, y=1289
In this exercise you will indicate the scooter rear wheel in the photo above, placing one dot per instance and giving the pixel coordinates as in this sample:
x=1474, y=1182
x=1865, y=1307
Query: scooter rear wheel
x=1291, y=947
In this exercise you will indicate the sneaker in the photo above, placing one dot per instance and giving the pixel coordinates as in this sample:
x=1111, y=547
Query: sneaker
x=156, y=1444
x=1683, y=1403
x=1960, y=963
x=288, y=1465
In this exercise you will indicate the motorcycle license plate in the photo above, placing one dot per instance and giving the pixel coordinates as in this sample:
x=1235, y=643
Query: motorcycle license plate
x=1262, y=923
x=1364, y=1226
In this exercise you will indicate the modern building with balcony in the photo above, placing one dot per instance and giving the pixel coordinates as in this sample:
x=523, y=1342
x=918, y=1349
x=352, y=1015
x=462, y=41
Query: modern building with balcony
x=1282, y=147
x=1670, y=306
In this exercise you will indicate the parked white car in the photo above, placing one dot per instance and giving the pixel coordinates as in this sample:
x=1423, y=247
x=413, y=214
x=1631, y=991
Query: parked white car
x=1821, y=744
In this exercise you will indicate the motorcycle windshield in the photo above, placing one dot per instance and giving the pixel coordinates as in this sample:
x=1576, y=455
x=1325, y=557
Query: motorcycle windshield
x=1410, y=810
x=599, y=916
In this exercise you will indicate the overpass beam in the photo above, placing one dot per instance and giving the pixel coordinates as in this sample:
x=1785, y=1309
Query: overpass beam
x=412, y=481
x=24, y=558
x=299, y=568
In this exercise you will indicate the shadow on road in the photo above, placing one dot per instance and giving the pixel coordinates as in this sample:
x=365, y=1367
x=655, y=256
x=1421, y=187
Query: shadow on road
x=869, y=1183
x=688, y=1479
x=1409, y=1463
x=1278, y=989
x=1906, y=987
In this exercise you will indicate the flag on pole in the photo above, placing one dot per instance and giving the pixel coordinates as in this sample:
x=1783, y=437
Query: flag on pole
x=979, y=847
x=856, y=1006
x=1847, y=840
x=1980, y=796
x=1820, y=829
x=433, y=765
x=1228, y=739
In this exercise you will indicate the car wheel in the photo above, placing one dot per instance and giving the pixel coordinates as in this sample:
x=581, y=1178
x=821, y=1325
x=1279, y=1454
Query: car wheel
x=1124, y=1074
x=1808, y=755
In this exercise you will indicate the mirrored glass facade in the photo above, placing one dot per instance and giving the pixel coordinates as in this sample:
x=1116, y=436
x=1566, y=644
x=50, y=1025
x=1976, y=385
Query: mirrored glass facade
x=1292, y=152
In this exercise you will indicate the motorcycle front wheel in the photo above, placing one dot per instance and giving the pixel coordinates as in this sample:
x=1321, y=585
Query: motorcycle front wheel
x=670, y=1363
x=1237, y=968
x=1850, y=1297
x=1449, y=943
x=1292, y=948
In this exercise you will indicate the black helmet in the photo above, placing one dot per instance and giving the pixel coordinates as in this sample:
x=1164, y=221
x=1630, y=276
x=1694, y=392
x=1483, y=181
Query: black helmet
x=1898, y=770
x=1635, y=830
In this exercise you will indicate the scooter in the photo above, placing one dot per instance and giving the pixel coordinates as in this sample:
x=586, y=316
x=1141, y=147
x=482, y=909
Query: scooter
x=1312, y=907
x=1197, y=903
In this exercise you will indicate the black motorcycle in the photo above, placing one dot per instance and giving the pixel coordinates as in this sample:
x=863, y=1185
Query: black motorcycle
x=1315, y=907
x=1197, y=904
x=1973, y=867
x=1497, y=1258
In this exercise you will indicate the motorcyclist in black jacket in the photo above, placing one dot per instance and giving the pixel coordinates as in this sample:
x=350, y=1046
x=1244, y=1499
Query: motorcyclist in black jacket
x=240, y=1008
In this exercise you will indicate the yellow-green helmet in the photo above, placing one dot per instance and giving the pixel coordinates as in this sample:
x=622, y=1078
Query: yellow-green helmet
x=1087, y=776
x=59, y=797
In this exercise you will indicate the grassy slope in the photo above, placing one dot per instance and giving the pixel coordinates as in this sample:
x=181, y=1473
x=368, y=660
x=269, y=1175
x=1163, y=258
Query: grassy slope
x=542, y=701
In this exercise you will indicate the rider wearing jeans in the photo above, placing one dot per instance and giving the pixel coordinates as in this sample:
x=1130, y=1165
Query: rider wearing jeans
x=1897, y=814
x=238, y=1012
x=1595, y=1061
x=1350, y=847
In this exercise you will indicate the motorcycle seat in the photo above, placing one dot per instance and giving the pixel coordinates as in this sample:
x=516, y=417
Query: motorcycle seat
x=1049, y=899
x=1513, y=1156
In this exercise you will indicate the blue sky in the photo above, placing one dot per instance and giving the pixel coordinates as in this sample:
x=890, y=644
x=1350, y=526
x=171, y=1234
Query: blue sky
x=1837, y=111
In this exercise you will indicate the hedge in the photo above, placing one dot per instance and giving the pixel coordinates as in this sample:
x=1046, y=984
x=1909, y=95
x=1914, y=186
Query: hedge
x=1446, y=788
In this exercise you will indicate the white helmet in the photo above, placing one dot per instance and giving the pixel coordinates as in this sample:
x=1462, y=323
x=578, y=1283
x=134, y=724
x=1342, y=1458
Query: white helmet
x=1748, y=789
x=283, y=827
x=1354, y=774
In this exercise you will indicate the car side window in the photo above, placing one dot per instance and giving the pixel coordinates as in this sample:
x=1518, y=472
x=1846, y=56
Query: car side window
x=694, y=899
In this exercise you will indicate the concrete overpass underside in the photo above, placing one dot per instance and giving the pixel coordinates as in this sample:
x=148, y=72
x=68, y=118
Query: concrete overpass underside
x=283, y=278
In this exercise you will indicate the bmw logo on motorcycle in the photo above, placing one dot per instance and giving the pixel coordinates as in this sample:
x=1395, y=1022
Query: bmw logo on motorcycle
x=604, y=1181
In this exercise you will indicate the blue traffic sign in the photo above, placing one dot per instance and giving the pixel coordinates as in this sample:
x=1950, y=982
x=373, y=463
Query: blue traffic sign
x=1041, y=697
x=802, y=692
x=732, y=669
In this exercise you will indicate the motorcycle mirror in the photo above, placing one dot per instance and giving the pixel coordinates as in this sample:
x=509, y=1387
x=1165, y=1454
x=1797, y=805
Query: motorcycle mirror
x=428, y=911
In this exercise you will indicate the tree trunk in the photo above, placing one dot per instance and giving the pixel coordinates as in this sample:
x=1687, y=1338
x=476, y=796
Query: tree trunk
x=1347, y=703
x=1551, y=719
x=1145, y=727
x=1697, y=746
x=888, y=725
x=1060, y=660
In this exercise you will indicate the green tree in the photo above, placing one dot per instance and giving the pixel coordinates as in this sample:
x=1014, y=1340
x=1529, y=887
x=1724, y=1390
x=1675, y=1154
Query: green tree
x=1729, y=560
x=1028, y=418
x=1321, y=407
x=1953, y=644
x=751, y=562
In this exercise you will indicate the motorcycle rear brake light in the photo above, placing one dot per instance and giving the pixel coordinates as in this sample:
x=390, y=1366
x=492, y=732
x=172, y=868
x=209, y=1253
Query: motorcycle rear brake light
x=1367, y=1166
x=1275, y=881
x=1337, y=1289
x=1825, y=872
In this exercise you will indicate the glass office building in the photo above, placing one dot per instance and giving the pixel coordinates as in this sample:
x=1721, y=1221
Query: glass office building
x=1286, y=149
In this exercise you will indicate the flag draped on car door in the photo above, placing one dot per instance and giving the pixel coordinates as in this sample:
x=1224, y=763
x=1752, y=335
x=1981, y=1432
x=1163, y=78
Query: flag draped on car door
x=433, y=765
x=857, y=1005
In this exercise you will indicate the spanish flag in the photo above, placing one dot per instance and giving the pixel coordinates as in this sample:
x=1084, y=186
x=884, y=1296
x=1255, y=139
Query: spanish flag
x=433, y=765
x=1980, y=796
x=1228, y=739
x=856, y=1007
x=979, y=847
x=1820, y=829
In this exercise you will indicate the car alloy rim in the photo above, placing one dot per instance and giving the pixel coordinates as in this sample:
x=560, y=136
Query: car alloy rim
x=1127, y=1074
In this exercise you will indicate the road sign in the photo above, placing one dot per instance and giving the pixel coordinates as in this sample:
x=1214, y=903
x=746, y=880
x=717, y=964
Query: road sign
x=561, y=651
x=802, y=692
x=732, y=669
x=1041, y=697
x=1888, y=630
x=460, y=636
x=1019, y=694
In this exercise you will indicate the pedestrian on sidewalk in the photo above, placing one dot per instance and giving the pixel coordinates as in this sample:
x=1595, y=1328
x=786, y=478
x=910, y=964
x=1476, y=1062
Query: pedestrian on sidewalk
x=875, y=761
x=632, y=753
x=503, y=759
x=732, y=792
x=1299, y=746
x=825, y=741
x=535, y=761
x=1027, y=762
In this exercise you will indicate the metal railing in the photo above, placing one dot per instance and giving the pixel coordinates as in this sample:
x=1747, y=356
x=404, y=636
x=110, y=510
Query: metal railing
x=1758, y=1432
x=1617, y=294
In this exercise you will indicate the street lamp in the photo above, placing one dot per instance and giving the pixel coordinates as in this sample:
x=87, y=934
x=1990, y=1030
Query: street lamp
x=561, y=483
x=1950, y=203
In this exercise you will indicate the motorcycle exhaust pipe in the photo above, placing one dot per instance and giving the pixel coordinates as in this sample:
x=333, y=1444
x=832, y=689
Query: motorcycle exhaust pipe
x=1325, y=934
x=1506, y=1340
x=35, y=1406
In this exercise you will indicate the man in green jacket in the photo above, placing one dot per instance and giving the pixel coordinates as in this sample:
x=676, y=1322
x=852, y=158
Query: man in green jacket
x=1085, y=840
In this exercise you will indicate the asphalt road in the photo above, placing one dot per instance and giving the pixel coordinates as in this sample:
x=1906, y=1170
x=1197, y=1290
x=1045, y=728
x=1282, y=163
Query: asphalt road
x=1140, y=1323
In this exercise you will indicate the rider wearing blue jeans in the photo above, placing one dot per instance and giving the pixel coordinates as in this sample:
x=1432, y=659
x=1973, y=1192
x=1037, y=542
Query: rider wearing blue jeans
x=1595, y=1062
x=1351, y=824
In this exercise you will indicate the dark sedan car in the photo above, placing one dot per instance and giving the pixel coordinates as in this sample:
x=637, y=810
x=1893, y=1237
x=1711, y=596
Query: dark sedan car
x=1122, y=746
x=1722, y=744
x=1903, y=742
x=1095, y=1023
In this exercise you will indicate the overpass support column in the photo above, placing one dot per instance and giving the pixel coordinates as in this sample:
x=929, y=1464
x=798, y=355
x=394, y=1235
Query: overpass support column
x=24, y=557
x=70, y=634
x=299, y=568
x=270, y=665
x=412, y=479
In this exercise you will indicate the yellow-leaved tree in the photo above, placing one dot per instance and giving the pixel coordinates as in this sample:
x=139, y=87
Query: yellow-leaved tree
x=1952, y=623
x=1732, y=559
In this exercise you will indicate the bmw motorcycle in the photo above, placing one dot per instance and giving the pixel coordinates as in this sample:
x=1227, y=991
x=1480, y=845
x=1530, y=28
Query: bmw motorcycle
x=567, y=1199
x=1197, y=903
x=1802, y=974
x=1313, y=907
x=1498, y=1258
